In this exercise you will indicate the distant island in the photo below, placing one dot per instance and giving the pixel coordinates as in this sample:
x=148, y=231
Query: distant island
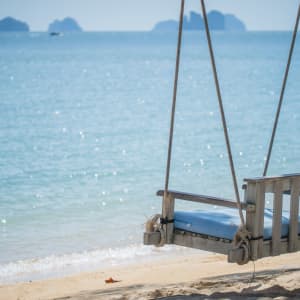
x=67, y=24
x=216, y=21
x=11, y=24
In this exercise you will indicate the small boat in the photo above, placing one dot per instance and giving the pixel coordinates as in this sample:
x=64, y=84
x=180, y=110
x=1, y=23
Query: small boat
x=54, y=33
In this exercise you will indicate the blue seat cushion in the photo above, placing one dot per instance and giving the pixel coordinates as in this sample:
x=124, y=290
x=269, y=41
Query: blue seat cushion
x=223, y=222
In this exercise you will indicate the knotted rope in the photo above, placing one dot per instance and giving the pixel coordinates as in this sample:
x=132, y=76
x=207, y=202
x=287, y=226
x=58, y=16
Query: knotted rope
x=242, y=240
x=154, y=225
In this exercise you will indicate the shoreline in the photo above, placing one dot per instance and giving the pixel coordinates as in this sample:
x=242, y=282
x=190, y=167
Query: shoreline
x=69, y=264
x=205, y=273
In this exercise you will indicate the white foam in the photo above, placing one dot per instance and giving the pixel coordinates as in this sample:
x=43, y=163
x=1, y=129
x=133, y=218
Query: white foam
x=63, y=265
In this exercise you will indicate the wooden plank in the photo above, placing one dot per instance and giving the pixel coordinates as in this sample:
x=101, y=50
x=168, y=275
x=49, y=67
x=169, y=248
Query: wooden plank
x=151, y=238
x=277, y=218
x=286, y=186
x=271, y=178
x=168, y=213
x=201, y=199
x=188, y=239
x=270, y=185
x=267, y=247
x=249, y=198
x=283, y=246
x=294, y=215
x=236, y=255
x=202, y=243
x=260, y=207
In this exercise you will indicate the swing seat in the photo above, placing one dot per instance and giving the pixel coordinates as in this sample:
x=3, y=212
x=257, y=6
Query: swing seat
x=223, y=223
x=272, y=231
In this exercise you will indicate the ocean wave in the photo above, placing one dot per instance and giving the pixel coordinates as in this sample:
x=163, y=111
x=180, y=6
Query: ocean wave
x=63, y=265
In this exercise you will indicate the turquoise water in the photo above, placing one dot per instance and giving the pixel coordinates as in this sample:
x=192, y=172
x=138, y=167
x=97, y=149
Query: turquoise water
x=83, y=136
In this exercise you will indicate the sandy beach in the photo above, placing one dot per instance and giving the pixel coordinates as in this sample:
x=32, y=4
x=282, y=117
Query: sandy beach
x=193, y=277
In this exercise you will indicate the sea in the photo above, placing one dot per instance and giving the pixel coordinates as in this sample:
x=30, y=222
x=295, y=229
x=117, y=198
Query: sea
x=84, y=125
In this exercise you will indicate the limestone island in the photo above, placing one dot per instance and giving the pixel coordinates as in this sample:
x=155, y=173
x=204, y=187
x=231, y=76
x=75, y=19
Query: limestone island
x=66, y=25
x=216, y=21
x=10, y=24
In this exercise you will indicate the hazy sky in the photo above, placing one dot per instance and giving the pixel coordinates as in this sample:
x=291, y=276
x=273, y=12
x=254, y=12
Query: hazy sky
x=143, y=14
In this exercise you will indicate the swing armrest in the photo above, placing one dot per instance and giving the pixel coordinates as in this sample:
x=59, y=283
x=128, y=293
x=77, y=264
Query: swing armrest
x=270, y=181
x=201, y=199
x=272, y=178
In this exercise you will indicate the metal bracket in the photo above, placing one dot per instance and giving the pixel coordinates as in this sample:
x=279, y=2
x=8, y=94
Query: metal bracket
x=251, y=208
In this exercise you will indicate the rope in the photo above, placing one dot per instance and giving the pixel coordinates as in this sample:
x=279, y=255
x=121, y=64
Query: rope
x=242, y=240
x=282, y=92
x=154, y=225
x=222, y=113
x=174, y=100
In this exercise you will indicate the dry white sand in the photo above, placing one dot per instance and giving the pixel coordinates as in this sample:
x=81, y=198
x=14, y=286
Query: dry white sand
x=189, y=278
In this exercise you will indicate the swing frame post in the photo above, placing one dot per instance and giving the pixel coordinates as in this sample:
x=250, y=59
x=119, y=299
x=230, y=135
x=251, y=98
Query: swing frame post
x=168, y=221
x=255, y=203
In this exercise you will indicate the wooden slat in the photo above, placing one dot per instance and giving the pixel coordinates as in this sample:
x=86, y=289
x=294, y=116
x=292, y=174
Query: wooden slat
x=294, y=215
x=260, y=206
x=236, y=255
x=201, y=199
x=277, y=219
x=188, y=239
x=249, y=197
x=283, y=246
x=151, y=238
x=272, y=178
x=191, y=240
x=270, y=185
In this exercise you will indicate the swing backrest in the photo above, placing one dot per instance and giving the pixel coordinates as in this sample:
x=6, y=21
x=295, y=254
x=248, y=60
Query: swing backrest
x=255, y=199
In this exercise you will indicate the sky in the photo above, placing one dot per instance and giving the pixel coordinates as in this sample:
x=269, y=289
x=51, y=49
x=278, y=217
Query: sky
x=126, y=15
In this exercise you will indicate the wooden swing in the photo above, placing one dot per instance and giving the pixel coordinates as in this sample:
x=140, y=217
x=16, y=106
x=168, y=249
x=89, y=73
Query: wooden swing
x=251, y=239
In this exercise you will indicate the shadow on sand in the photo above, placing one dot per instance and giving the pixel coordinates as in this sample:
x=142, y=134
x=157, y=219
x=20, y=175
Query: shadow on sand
x=264, y=285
